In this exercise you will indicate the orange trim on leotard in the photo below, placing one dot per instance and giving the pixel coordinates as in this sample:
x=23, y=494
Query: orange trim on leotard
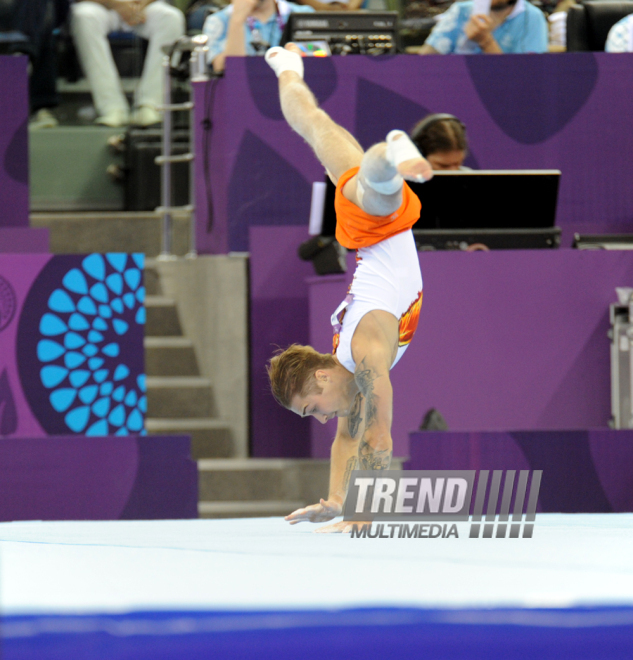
x=409, y=321
x=357, y=229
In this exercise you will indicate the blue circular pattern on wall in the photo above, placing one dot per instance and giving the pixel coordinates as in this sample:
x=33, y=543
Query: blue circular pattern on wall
x=80, y=345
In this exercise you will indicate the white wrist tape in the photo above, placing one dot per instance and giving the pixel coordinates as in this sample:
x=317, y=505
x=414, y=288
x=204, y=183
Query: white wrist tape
x=280, y=60
x=400, y=148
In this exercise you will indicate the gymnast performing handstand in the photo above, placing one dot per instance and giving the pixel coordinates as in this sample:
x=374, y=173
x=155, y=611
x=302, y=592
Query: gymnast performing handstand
x=373, y=326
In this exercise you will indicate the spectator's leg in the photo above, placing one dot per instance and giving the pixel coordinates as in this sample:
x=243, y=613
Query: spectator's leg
x=164, y=24
x=91, y=23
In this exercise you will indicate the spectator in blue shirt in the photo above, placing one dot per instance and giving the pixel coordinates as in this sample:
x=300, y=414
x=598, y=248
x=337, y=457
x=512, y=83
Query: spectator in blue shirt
x=620, y=38
x=513, y=26
x=247, y=27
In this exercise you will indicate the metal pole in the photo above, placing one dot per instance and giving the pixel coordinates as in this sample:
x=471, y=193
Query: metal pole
x=166, y=162
x=198, y=73
x=192, y=163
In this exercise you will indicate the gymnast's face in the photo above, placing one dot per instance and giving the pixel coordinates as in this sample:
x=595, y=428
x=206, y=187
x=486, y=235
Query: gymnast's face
x=331, y=401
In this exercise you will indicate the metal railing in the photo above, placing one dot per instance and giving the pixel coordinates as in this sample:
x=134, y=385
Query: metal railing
x=197, y=46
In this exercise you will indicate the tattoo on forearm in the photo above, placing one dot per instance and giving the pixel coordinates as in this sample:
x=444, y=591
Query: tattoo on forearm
x=351, y=465
x=371, y=459
x=354, y=419
x=365, y=378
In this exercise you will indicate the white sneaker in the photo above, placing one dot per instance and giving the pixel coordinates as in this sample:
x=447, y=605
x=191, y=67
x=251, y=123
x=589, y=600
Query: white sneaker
x=114, y=118
x=145, y=116
x=43, y=119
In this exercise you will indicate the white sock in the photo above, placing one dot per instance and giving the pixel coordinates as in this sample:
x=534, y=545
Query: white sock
x=400, y=149
x=284, y=60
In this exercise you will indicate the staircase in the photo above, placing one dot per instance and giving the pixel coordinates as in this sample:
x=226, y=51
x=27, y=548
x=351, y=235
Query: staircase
x=252, y=487
x=179, y=399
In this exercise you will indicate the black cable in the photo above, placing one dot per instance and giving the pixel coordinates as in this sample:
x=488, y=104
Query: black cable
x=207, y=126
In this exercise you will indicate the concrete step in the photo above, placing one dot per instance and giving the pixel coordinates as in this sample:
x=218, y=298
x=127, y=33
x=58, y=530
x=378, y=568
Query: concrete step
x=82, y=232
x=162, y=317
x=170, y=356
x=259, y=509
x=151, y=279
x=246, y=480
x=179, y=396
x=68, y=170
x=210, y=438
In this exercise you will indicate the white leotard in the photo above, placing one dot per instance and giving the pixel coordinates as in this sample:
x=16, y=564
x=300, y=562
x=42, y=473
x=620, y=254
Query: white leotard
x=387, y=278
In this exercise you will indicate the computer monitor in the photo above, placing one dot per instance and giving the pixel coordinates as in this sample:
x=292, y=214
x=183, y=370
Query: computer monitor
x=478, y=199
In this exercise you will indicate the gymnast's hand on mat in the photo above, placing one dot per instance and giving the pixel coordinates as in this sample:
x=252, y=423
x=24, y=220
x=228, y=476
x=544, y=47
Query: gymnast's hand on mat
x=343, y=527
x=322, y=512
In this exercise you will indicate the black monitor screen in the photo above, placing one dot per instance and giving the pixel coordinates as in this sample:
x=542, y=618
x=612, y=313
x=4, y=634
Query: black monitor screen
x=478, y=199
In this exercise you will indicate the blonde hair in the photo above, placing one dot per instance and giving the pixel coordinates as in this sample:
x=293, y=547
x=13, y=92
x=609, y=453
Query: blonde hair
x=291, y=371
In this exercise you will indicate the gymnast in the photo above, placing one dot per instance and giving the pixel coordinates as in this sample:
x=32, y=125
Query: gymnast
x=373, y=326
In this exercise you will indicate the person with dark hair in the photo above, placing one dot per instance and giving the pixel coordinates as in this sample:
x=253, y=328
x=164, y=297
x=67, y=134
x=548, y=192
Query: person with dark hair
x=441, y=139
x=376, y=321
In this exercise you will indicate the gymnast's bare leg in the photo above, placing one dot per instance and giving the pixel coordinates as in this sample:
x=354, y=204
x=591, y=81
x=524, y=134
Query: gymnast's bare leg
x=377, y=188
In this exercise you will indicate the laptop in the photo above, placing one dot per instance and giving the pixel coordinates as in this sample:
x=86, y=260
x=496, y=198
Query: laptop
x=499, y=209
x=477, y=199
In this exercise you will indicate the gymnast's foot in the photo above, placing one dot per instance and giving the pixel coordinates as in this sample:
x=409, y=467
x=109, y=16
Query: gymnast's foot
x=282, y=60
x=406, y=158
x=293, y=48
x=416, y=169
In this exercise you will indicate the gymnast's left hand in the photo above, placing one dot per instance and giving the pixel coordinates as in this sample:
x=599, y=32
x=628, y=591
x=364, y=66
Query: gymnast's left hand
x=322, y=512
x=343, y=527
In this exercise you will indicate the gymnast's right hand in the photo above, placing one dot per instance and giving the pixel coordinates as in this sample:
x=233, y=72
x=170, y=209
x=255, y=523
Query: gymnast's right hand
x=322, y=512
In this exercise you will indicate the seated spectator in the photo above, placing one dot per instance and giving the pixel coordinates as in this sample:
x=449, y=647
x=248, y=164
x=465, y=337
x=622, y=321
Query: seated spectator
x=155, y=20
x=441, y=139
x=620, y=37
x=246, y=27
x=513, y=26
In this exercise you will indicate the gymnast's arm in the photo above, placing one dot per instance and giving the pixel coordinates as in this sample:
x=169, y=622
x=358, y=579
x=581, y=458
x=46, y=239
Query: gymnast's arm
x=370, y=420
x=375, y=445
x=343, y=459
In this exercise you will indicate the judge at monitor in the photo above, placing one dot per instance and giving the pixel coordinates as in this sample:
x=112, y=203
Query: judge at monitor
x=441, y=139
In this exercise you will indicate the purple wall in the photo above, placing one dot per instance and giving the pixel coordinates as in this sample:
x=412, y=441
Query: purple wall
x=24, y=240
x=14, y=156
x=583, y=471
x=508, y=340
x=71, y=345
x=110, y=478
x=278, y=317
x=569, y=111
